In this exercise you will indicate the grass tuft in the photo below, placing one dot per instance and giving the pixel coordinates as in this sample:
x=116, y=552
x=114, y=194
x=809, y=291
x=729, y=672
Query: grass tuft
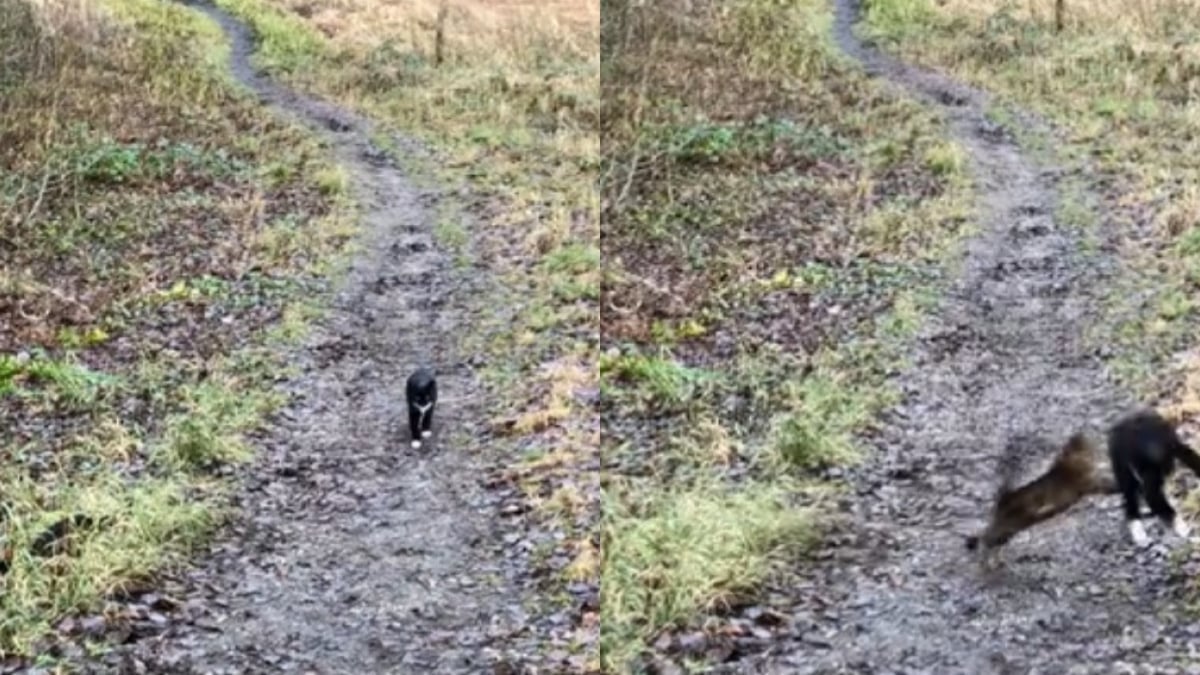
x=691, y=549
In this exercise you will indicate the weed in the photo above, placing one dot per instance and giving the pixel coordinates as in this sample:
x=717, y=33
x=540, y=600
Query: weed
x=451, y=234
x=816, y=433
x=65, y=381
x=660, y=380
x=332, y=180
x=572, y=259
x=945, y=159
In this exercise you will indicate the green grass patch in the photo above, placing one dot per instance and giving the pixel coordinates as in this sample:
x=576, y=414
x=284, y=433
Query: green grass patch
x=285, y=43
x=817, y=432
x=208, y=431
x=52, y=380
x=151, y=524
x=686, y=550
x=656, y=381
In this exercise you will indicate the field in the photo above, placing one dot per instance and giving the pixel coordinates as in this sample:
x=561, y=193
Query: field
x=160, y=235
x=755, y=293
x=771, y=219
x=166, y=242
x=1120, y=79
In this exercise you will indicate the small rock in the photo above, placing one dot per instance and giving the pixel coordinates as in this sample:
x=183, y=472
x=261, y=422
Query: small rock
x=336, y=124
x=662, y=666
x=816, y=639
x=664, y=642
x=693, y=643
x=513, y=509
x=137, y=611
x=93, y=625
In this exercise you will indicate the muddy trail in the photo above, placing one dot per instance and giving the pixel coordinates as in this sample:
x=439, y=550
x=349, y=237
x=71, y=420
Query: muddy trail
x=354, y=553
x=1003, y=354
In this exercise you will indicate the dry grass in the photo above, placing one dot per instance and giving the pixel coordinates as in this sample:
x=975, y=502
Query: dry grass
x=1134, y=18
x=493, y=33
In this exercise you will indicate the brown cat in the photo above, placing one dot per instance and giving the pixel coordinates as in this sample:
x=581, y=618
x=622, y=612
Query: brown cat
x=1072, y=477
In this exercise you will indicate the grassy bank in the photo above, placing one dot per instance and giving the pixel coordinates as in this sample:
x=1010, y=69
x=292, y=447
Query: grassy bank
x=155, y=231
x=511, y=106
x=770, y=221
x=1121, y=80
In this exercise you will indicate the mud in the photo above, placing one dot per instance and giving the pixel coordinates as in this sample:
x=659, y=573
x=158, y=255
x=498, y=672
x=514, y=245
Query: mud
x=1003, y=354
x=352, y=552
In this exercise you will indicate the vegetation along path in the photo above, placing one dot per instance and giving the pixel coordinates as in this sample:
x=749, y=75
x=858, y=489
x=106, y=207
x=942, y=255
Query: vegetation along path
x=1003, y=354
x=356, y=554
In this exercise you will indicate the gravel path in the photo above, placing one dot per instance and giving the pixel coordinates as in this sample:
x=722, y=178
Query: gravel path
x=354, y=553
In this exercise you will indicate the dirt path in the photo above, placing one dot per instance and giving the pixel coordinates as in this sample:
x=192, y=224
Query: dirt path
x=356, y=554
x=1003, y=354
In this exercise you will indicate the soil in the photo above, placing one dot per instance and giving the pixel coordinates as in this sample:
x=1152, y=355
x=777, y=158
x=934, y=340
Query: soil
x=895, y=591
x=354, y=553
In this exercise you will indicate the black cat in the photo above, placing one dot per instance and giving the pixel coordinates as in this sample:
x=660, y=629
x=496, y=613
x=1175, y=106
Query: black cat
x=421, y=391
x=1143, y=448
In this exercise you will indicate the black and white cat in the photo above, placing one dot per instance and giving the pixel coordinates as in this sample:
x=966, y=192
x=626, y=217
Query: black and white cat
x=421, y=392
x=1143, y=448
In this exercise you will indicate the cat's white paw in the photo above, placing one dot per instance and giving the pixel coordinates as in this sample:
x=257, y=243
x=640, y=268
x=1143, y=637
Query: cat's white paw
x=1181, y=528
x=1137, y=532
x=416, y=443
x=426, y=434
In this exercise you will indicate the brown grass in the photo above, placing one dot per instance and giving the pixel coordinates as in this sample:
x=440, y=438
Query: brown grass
x=1148, y=18
x=487, y=32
